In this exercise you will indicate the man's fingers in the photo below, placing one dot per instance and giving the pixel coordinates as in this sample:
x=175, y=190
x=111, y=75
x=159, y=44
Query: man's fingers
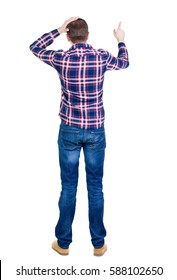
x=71, y=19
x=119, y=26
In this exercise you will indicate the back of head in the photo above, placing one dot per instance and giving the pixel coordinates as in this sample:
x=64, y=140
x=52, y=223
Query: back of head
x=78, y=31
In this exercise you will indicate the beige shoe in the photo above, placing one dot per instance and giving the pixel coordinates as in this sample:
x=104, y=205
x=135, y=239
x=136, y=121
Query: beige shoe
x=100, y=252
x=59, y=250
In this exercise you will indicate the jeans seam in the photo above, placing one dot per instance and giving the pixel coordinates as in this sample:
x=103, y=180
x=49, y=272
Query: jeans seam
x=97, y=132
x=71, y=131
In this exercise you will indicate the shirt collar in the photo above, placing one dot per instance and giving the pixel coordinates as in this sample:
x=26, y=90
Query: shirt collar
x=81, y=46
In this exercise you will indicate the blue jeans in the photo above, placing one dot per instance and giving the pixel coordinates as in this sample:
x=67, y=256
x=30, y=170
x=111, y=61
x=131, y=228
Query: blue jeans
x=70, y=141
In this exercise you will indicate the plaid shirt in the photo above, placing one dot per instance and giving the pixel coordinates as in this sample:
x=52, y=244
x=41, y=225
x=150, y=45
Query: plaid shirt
x=81, y=71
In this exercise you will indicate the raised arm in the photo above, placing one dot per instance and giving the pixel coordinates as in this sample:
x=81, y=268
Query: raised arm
x=39, y=46
x=122, y=60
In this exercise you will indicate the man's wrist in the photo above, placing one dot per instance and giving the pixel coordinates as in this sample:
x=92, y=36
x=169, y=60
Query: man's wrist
x=120, y=40
x=60, y=30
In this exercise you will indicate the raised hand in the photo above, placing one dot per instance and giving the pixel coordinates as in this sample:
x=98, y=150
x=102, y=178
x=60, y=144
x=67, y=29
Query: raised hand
x=119, y=33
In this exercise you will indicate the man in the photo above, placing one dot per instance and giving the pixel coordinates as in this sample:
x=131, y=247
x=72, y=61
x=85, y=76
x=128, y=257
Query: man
x=81, y=71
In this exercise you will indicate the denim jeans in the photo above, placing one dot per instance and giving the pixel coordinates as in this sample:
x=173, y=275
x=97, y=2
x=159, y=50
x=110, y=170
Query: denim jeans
x=70, y=141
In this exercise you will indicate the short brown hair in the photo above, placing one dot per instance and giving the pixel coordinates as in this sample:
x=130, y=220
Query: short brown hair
x=78, y=30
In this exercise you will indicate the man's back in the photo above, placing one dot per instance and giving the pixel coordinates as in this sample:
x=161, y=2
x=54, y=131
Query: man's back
x=81, y=71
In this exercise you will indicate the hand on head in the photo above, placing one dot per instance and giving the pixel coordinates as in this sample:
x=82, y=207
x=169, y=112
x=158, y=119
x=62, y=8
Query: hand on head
x=63, y=28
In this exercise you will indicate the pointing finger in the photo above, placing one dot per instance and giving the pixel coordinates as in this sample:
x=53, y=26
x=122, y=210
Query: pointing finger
x=119, y=26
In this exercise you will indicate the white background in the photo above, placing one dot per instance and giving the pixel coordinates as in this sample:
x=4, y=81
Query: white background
x=141, y=157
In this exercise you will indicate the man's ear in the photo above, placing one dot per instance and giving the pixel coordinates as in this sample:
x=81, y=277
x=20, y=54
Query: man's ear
x=87, y=36
x=69, y=40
